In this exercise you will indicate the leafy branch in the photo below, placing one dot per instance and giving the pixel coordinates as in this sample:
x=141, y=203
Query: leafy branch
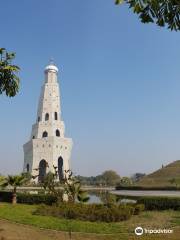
x=161, y=12
x=9, y=81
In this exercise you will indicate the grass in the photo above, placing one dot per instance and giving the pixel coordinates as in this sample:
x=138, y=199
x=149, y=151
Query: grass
x=21, y=213
x=114, y=231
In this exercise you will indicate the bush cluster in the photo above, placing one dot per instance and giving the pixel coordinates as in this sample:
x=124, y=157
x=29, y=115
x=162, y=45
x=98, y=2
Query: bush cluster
x=90, y=212
x=27, y=198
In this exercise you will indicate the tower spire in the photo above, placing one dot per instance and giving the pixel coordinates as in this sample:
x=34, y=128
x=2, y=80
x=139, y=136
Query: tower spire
x=51, y=61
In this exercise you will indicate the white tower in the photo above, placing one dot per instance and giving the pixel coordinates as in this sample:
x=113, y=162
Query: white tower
x=48, y=146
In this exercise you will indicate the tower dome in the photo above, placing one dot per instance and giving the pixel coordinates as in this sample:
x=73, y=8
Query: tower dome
x=51, y=67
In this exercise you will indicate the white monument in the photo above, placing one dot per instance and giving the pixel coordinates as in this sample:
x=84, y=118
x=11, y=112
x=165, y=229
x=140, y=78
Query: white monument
x=48, y=147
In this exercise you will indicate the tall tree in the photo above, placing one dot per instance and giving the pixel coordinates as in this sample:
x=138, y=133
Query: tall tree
x=110, y=177
x=161, y=12
x=9, y=81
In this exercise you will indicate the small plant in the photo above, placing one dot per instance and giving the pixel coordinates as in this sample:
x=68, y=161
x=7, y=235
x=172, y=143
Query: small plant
x=108, y=198
x=72, y=187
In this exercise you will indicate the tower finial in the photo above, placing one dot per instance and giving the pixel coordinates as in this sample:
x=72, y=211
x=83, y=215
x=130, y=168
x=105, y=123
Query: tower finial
x=51, y=61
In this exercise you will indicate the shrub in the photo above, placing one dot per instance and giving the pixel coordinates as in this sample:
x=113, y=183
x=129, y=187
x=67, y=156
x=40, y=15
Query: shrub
x=90, y=212
x=27, y=198
x=138, y=208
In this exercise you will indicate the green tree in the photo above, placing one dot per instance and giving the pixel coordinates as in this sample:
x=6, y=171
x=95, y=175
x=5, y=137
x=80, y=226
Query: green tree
x=50, y=184
x=161, y=12
x=125, y=181
x=2, y=181
x=9, y=81
x=110, y=177
x=14, y=181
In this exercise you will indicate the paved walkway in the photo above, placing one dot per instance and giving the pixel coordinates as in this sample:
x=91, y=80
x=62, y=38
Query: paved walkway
x=147, y=193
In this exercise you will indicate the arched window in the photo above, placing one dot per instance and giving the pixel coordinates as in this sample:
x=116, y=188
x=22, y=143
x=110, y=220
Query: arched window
x=57, y=133
x=60, y=168
x=42, y=170
x=39, y=119
x=45, y=134
x=47, y=117
x=55, y=116
x=27, y=167
x=33, y=137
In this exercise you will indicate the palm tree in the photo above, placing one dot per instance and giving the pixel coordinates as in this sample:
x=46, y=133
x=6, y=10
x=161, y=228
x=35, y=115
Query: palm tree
x=14, y=181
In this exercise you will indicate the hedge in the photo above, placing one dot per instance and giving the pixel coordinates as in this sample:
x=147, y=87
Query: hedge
x=156, y=203
x=167, y=188
x=27, y=198
x=160, y=203
x=5, y=196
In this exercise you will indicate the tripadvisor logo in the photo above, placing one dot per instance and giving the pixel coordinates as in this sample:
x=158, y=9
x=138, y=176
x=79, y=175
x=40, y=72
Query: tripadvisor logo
x=139, y=231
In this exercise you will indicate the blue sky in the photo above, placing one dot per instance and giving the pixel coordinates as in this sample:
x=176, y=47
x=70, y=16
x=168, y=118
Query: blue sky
x=119, y=79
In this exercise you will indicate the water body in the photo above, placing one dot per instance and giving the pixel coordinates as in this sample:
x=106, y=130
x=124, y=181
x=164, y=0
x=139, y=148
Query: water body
x=94, y=199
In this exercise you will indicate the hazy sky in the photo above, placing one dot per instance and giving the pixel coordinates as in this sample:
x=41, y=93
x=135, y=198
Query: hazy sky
x=120, y=84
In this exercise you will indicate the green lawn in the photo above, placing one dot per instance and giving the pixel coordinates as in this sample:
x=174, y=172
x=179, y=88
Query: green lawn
x=113, y=231
x=23, y=214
